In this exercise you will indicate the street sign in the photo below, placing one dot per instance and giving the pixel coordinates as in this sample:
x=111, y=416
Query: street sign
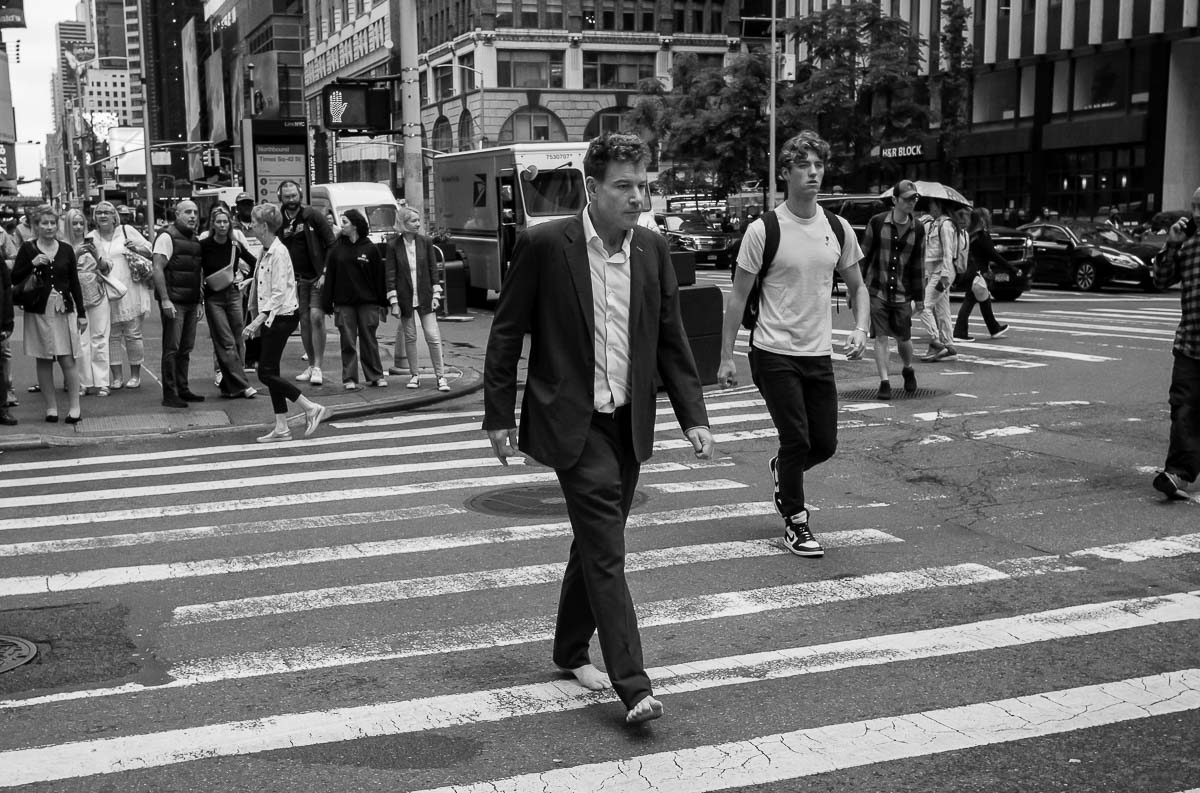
x=356, y=106
x=12, y=13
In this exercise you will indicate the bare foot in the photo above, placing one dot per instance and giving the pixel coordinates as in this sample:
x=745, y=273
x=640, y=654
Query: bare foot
x=590, y=677
x=646, y=710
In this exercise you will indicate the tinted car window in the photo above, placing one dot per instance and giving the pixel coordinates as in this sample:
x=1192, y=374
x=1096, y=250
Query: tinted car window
x=1102, y=235
x=1051, y=234
x=858, y=212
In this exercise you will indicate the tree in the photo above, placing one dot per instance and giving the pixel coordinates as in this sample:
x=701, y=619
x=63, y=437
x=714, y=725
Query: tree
x=859, y=83
x=952, y=84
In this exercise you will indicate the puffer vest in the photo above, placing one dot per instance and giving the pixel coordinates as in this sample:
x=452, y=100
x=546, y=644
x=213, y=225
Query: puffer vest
x=183, y=272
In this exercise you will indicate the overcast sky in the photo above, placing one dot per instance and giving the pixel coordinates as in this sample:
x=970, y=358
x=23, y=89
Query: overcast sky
x=31, y=80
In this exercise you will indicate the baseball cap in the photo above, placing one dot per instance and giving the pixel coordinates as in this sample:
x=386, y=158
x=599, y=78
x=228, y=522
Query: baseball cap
x=243, y=197
x=904, y=188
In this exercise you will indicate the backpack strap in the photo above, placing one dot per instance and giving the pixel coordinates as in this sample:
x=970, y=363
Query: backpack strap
x=770, y=244
x=835, y=223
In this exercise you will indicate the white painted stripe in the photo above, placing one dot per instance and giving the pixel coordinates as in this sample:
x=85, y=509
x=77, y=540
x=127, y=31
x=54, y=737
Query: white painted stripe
x=227, y=530
x=995, y=411
x=457, y=583
x=1002, y=363
x=127, y=753
x=1001, y=432
x=696, y=487
x=407, y=418
x=1120, y=330
x=669, y=612
x=139, y=574
x=820, y=750
x=1037, y=352
x=316, y=497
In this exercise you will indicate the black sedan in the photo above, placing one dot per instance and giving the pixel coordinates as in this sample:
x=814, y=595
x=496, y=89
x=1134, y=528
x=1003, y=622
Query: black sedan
x=692, y=231
x=1088, y=256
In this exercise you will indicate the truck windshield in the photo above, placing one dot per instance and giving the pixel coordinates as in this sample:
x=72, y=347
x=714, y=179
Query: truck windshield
x=554, y=193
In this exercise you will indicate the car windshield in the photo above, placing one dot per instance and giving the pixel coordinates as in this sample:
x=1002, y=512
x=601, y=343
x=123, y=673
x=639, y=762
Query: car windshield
x=1102, y=235
x=554, y=193
x=688, y=223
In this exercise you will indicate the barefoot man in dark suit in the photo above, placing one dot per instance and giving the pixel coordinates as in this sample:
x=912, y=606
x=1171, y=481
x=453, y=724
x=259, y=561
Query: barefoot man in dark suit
x=597, y=294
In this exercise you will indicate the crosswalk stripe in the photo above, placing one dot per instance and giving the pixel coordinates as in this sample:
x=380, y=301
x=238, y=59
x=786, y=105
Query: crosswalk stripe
x=140, y=574
x=320, y=496
x=457, y=583
x=1036, y=352
x=820, y=750
x=1034, y=321
x=722, y=605
x=157, y=749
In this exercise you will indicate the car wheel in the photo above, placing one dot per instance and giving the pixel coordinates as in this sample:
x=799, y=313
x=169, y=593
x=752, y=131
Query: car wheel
x=1085, y=277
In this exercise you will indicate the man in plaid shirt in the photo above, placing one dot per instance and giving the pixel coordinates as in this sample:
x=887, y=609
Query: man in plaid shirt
x=1179, y=262
x=894, y=271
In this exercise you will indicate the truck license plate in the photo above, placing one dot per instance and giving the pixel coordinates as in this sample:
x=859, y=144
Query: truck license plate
x=1001, y=277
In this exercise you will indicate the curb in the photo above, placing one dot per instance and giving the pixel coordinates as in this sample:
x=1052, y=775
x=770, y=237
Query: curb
x=32, y=441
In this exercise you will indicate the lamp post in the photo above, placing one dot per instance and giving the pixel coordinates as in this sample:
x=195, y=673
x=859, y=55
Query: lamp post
x=482, y=99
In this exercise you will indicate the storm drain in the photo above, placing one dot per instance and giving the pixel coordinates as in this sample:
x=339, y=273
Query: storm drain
x=898, y=392
x=529, y=501
x=15, y=651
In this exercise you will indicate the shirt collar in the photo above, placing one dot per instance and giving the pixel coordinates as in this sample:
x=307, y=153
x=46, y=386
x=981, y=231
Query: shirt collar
x=589, y=231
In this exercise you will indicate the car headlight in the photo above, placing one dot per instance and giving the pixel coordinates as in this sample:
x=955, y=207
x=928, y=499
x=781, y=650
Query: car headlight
x=688, y=242
x=1126, y=261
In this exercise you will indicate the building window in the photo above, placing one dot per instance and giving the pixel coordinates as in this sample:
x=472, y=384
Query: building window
x=504, y=14
x=444, y=81
x=553, y=15
x=995, y=96
x=529, y=14
x=648, y=21
x=535, y=124
x=589, y=17
x=1101, y=81
x=627, y=20
x=443, y=135
x=529, y=69
x=616, y=69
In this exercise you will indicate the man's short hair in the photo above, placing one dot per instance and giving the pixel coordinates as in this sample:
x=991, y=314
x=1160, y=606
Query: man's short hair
x=269, y=215
x=613, y=147
x=795, y=149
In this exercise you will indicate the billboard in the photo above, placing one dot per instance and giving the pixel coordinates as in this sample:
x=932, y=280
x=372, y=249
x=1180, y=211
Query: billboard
x=191, y=95
x=12, y=13
x=274, y=151
x=127, y=139
x=8, y=162
x=215, y=89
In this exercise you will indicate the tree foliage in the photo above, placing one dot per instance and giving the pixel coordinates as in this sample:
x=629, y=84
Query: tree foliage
x=952, y=84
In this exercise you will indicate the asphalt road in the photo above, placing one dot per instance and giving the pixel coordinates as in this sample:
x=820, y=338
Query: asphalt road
x=1005, y=604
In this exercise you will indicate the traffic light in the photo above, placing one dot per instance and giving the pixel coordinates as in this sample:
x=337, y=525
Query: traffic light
x=356, y=106
x=212, y=158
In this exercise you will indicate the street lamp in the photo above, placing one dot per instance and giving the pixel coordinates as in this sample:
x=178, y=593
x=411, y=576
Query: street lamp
x=483, y=141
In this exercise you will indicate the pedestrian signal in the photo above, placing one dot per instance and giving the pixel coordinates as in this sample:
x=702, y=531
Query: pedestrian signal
x=356, y=106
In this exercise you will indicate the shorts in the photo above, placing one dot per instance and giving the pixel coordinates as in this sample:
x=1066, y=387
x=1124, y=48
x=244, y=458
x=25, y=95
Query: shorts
x=891, y=319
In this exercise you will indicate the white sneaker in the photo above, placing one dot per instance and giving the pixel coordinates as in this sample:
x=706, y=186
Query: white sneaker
x=304, y=376
x=414, y=381
x=217, y=378
x=443, y=385
x=316, y=378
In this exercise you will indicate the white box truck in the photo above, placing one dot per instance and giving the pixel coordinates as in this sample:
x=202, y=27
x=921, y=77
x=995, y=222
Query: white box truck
x=485, y=197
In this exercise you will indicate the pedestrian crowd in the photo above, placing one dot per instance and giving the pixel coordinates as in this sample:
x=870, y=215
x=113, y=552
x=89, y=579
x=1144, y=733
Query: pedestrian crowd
x=256, y=274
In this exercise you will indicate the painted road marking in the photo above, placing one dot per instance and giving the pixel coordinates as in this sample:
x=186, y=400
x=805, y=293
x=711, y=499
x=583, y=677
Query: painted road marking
x=157, y=749
x=292, y=660
x=698, y=486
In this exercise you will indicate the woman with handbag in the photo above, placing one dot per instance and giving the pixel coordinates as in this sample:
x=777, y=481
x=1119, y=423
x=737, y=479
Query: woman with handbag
x=46, y=286
x=414, y=293
x=93, y=269
x=220, y=257
x=277, y=315
x=127, y=252
x=982, y=256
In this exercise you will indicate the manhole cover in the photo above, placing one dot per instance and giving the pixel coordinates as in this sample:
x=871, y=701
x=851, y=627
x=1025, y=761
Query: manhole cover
x=15, y=651
x=531, y=501
x=898, y=392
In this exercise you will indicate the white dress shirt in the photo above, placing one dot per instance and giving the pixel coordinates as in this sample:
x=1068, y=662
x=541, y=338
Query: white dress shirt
x=410, y=250
x=610, y=308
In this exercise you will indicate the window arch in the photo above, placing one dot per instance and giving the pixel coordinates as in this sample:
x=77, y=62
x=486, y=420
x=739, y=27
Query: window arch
x=610, y=119
x=443, y=135
x=533, y=123
x=466, y=131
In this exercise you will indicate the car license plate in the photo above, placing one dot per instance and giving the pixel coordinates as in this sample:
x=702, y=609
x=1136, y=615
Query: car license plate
x=704, y=257
x=1001, y=277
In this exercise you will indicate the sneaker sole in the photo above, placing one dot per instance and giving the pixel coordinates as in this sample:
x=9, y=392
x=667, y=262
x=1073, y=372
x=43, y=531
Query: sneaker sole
x=773, y=464
x=1164, y=485
x=808, y=554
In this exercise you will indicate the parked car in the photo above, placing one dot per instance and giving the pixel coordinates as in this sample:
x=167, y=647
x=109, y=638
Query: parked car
x=1017, y=249
x=1088, y=255
x=693, y=232
x=857, y=208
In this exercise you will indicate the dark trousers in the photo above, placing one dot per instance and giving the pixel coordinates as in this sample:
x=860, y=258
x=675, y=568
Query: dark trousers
x=801, y=396
x=599, y=491
x=225, y=322
x=1183, y=451
x=179, y=337
x=357, y=326
x=250, y=347
x=962, y=322
x=274, y=339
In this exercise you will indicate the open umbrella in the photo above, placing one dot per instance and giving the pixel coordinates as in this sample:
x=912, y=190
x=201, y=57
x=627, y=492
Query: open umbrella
x=936, y=190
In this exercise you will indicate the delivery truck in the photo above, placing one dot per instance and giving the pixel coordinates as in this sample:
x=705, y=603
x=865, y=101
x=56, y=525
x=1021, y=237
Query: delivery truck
x=484, y=198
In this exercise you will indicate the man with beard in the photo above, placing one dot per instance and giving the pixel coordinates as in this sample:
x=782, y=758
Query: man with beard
x=307, y=236
x=178, y=279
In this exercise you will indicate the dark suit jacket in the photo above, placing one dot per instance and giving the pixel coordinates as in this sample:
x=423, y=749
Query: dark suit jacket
x=398, y=274
x=548, y=294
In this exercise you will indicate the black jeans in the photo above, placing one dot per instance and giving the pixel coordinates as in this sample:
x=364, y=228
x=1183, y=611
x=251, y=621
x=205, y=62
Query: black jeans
x=599, y=491
x=1183, y=451
x=179, y=337
x=801, y=396
x=962, y=323
x=274, y=339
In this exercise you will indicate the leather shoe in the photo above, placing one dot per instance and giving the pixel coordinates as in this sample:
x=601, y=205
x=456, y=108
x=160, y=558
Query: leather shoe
x=7, y=419
x=173, y=401
x=188, y=396
x=73, y=419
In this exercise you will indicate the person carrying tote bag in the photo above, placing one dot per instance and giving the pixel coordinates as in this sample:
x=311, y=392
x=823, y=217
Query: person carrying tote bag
x=982, y=255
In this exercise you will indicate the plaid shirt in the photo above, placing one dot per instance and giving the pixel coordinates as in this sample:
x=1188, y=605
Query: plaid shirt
x=894, y=261
x=1181, y=264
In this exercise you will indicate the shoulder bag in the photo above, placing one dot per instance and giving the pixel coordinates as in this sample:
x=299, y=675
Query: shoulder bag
x=221, y=279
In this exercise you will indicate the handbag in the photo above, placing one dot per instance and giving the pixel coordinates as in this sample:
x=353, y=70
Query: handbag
x=27, y=293
x=221, y=279
x=979, y=288
x=140, y=268
x=113, y=289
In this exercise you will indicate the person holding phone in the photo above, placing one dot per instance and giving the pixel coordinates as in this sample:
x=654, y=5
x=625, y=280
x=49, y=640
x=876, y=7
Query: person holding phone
x=1179, y=263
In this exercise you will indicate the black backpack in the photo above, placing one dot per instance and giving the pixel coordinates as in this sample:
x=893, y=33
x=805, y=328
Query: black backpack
x=770, y=248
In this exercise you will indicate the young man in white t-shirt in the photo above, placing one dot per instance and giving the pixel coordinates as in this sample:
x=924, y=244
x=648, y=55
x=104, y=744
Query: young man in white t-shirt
x=791, y=348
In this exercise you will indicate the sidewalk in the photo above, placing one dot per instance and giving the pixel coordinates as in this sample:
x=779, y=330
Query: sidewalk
x=136, y=413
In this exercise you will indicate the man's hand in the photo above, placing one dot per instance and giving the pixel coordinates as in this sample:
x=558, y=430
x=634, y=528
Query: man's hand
x=1177, y=233
x=168, y=308
x=856, y=344
x=727, y=374
x=504, y=444
x=702, y=442
x=396, y=310
x=920, y=306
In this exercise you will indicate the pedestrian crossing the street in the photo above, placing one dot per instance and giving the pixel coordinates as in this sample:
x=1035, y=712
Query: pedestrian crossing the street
x=372, y=609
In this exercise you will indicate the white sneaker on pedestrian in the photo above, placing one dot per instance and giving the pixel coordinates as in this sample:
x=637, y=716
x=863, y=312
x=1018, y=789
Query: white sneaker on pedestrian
x=316, y=378
x=443, y=385
x=304, y=376
x=217, y=379
x=414, y=381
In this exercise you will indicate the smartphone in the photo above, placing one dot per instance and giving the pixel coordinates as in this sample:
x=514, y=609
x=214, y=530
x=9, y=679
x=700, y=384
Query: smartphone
x=1189, y=229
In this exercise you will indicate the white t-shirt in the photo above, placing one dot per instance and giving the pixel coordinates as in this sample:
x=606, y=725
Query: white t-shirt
x=794, y=311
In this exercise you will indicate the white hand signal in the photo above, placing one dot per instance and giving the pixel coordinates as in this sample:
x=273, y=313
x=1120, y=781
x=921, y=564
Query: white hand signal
x=337, y=107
